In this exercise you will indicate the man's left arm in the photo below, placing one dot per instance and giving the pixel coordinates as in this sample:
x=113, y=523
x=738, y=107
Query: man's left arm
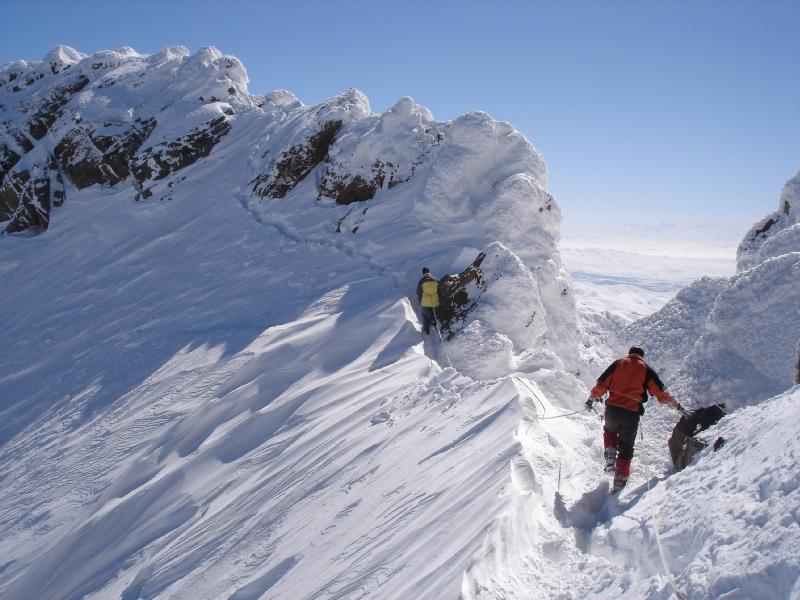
x=657, y=388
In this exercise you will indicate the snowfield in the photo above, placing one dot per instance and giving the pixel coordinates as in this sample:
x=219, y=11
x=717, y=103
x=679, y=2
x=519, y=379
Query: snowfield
x=213, y=382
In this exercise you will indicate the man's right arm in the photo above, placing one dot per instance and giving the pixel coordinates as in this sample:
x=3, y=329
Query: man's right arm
x=419, y=291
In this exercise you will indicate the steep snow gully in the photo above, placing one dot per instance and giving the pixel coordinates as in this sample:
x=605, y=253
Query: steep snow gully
x=214, y=384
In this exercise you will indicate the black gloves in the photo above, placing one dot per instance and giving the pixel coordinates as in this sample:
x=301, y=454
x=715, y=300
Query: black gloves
x=590, y=403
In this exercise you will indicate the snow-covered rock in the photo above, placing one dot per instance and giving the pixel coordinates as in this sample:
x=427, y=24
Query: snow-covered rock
x=735, y=340
x=495, y=318
x=100, y=119
x=775, y=234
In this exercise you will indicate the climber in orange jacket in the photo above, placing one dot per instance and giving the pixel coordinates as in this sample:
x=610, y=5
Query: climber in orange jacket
x=628, y=382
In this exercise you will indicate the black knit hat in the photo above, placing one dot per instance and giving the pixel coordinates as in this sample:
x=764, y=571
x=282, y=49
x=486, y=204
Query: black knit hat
x=425, y=270
x=637, y=350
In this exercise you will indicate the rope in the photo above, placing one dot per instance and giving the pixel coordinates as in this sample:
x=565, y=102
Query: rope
x=539, y=400
x=662, y=555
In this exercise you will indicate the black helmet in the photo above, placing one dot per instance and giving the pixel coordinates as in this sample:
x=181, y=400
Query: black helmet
x=425, y=270
x=637, y=350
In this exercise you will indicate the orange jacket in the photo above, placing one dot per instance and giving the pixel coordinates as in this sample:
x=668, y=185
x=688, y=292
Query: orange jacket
x=629, y=380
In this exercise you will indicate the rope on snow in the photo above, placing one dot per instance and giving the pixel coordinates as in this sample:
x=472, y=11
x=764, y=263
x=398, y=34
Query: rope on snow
x=662, y=555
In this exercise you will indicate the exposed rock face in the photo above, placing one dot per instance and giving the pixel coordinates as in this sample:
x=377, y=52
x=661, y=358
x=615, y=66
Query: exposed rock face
x=88, y=159
x=296, y=162
x=119, y=117
x=797, y=377
x=48, y=110
x=86, y=119
x=493, y=314
x=380, y=152
x=301, y=138
x=473, y=179
x=740, y=343
x=157, y=162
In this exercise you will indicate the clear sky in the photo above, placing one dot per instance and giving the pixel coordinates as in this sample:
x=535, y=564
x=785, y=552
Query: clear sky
x=674, y=111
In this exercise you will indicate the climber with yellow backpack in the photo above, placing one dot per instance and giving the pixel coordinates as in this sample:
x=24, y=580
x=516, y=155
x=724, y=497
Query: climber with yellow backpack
x=428, y=296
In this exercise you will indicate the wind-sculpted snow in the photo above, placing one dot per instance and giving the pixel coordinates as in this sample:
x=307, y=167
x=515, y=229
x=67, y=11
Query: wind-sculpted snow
x=735, y=340
x=222, y=390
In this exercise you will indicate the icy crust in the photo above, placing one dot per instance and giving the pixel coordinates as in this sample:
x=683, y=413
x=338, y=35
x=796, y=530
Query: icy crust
x=776, y=233
x=382, y=183
x=730, y=523
x=504, y=314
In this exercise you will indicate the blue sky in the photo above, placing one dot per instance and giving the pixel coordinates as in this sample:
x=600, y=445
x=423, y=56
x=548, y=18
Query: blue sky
x=679, y=111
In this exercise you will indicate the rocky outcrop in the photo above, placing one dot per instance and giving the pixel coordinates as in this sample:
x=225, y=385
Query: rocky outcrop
x=493, y=315
x=157, y=162
x=85, y=119
x=296, y=162
x=302, y=138
x=48, y=110
x=797, y=369
x=88, y=158
x=380, y=152
x=455, y=300
x=31, y=193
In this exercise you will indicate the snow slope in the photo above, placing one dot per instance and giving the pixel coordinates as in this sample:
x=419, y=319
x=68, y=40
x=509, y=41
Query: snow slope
x=205, y=425
x=729, y=524
x=213, y=381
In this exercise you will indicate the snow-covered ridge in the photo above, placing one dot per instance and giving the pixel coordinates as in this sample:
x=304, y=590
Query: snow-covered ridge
x=392, y=180
x=737, y=339
x=226, y=393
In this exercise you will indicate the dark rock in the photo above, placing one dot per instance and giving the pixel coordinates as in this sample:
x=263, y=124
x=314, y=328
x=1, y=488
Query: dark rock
x=8, y=158
x=47, y=113
x=346, y=188
x=175, y=155
x=32, y=195
x=295, y=163
x=88, y=159
x=455, y=303
x=347, y=192
x=797, y=369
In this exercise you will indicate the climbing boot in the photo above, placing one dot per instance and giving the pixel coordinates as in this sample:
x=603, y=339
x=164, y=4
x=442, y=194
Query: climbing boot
x=610, y=455
x=623, y=470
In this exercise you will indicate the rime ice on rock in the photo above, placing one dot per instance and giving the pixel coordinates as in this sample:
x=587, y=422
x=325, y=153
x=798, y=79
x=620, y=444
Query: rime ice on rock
x=739, y=335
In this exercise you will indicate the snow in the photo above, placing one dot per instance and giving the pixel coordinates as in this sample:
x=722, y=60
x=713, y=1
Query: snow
x=201, y=424
x=735, y=340
x=226, y=395
x=219, y=395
